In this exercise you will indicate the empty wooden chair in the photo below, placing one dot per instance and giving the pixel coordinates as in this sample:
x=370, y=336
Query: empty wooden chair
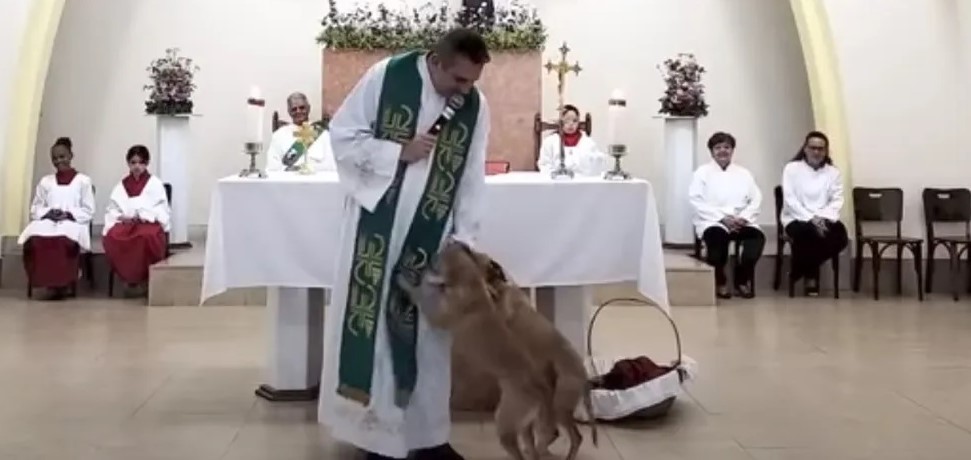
x=947, y=206
x=886, y=205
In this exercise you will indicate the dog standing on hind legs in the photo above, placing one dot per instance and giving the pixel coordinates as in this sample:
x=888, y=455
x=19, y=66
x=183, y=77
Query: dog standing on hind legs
x=452, y=294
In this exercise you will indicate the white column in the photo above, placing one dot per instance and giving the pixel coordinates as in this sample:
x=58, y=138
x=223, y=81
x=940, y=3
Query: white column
x=680, y=144
x=295, y=317
x=569, y=309
x=172, y=168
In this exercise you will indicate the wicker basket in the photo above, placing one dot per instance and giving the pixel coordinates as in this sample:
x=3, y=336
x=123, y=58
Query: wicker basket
x=650, y=399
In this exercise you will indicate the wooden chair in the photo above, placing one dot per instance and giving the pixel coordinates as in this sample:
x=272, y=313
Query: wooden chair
x=947, y=206
x=540, y=127
x=781, y=240
x=875, y=205
x=493, y=167
x=168, y=253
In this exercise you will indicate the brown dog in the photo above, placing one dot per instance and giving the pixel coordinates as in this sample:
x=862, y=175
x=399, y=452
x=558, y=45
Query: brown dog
x=453, y=295
x=564, y=366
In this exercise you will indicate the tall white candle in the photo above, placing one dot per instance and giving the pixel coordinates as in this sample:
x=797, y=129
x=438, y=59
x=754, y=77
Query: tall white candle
x=615, y=110
x=254, y=114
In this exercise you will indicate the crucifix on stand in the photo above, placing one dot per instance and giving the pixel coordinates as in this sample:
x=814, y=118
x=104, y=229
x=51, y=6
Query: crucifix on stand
x=561, y=69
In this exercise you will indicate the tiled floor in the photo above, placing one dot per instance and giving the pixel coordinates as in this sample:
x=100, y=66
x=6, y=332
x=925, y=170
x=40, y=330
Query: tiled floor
x=780, y=380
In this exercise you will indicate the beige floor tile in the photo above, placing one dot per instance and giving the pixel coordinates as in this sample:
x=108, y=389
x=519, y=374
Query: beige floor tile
x=780, y=379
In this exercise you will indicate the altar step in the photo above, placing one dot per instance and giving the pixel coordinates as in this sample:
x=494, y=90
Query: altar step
x=178, y=280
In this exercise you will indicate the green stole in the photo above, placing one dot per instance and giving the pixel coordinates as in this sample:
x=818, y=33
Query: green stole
x=298, y=148
x=398, y=111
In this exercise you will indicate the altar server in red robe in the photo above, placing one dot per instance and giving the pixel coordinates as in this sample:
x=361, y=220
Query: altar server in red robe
x=60, y=225
x=136, y=221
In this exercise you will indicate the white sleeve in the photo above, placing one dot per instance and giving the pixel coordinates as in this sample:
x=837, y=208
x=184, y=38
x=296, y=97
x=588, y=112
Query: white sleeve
x=751, y=211
x=275, y=152
x=467, y=215
x=321, y=154
x=366, y=165
x=789, y=197
x=834, y=206
x=84, y=211
x=117, y=203
x=696, y=196
x=548, y=154
x=39, y=206
x=154, y=204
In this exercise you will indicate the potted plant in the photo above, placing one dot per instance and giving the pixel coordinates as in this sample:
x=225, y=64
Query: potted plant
x=684, y=95
x=171, y=88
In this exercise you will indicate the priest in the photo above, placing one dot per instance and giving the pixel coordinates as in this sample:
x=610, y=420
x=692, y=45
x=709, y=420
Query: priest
x=411, y=179
x=59, y=229
x=301, y=138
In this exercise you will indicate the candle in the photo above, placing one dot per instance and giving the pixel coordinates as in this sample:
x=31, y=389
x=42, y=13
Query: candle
x=254, y=115
x=616, y=107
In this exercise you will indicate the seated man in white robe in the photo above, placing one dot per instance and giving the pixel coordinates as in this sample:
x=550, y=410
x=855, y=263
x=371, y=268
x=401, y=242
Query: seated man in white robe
x=59, y=228
x=726, y=201
x=580, y=153
x=386, y=381
x=293, y=144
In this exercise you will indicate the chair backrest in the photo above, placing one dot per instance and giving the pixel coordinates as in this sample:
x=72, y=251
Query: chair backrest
x=276, y=122
x=540, y=127
x=777, y=192
x=946, y=205
x=168, y=192
x=877, y=205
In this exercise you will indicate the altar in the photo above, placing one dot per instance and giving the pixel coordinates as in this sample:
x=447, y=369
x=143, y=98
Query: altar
x=560, y=236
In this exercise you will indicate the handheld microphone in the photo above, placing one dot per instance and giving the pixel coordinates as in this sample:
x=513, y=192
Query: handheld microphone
x=454, y=103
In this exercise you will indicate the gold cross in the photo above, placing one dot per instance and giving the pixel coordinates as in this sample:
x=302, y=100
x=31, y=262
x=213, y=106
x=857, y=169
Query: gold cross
x=562, y=68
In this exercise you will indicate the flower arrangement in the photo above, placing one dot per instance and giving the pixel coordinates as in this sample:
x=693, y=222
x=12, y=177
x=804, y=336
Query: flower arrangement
x=685, y=94
x=170, y=92
x=516, y=28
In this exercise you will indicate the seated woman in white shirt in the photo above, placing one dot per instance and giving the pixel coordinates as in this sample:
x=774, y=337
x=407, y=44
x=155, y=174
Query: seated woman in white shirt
x=812, y=191
x=136, y=220
x=726, y=201
x=59, y=229
x=580, y=153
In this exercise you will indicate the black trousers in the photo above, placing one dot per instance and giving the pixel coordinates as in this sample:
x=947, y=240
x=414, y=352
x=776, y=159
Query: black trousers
x=717, y=240
x=810, y=249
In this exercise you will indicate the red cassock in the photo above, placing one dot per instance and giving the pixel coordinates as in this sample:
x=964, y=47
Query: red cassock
x=132, y=247
x=53, y=261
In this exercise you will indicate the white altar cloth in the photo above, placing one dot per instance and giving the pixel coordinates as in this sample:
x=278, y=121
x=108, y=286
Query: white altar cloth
x=283, y=231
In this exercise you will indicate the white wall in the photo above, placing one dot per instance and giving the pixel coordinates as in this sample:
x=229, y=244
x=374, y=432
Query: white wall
x=13, y=19
x=905, y=83
x=756, y=80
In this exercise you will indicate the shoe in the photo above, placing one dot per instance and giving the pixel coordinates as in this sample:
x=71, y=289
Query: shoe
x=722, y=292
x=744, y=291
x=373, y=456
x=442, y=452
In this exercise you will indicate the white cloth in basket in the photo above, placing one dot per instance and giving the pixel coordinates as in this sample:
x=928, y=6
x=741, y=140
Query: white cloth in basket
x=617, y=404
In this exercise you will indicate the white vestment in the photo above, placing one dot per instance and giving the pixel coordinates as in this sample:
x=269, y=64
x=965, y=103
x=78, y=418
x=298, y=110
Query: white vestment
x=717, y=193
x=76, y=198
x=319, y=154
x=583, y=159
x=150, y=206
x=366, y=167
x=809, y=192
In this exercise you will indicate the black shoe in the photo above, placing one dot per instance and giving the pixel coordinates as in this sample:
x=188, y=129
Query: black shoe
x=722, y=292
x=442, y=452
x=373, y=456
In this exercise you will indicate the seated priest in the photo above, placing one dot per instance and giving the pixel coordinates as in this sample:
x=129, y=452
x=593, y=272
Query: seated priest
x=60, y=225
x=726, y=201
x=301, y=138
x=580, y=153
x=136, y=221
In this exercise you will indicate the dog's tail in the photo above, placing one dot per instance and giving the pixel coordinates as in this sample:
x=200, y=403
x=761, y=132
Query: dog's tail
x=588, y=407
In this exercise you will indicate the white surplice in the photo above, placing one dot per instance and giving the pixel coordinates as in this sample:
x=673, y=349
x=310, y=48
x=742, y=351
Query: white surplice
x=319, y=154
x=76, y=198
x=150, y=206
x=717, y=193
x=584, y=158
x=808, y=192
x=366, y=167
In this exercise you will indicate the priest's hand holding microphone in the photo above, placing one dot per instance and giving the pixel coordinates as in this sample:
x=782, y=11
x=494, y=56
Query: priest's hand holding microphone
x=422, y=145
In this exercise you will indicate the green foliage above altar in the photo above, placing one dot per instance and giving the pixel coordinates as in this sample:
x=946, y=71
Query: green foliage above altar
x=514, y=29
